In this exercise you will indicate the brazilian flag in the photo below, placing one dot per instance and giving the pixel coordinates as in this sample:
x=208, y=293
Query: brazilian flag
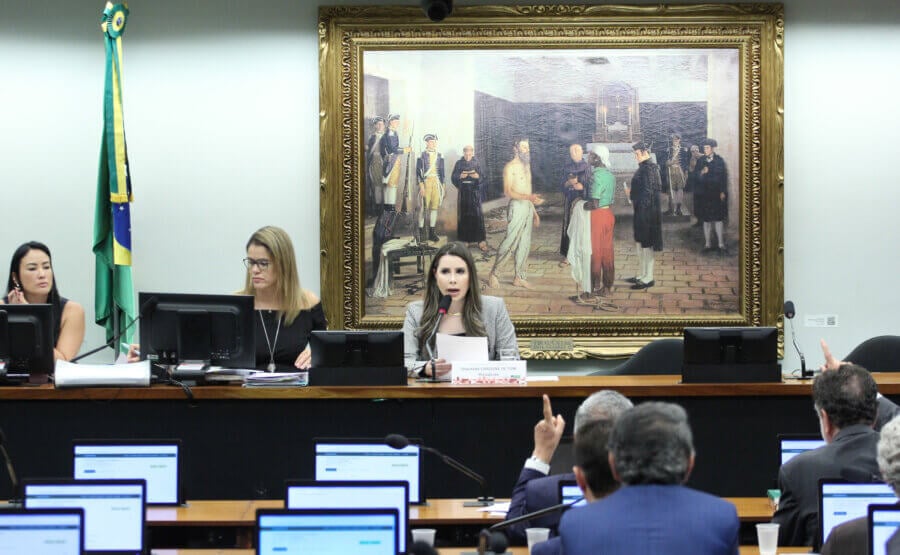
x=113, y=289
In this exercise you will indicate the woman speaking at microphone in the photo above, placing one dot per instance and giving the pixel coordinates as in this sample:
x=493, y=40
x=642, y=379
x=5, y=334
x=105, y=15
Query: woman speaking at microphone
x=452, y=274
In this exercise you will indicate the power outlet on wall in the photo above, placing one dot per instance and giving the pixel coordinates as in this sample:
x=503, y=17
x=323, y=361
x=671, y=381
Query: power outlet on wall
x=820, y=320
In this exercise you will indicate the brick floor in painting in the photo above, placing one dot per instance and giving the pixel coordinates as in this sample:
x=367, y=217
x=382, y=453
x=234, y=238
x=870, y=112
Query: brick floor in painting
x=687, y=280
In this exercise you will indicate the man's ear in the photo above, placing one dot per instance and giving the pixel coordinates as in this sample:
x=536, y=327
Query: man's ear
x=612, y=468
x=581, y=480
x=690, y=467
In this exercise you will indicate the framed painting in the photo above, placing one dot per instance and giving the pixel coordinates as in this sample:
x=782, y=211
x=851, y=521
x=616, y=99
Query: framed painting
x=616, y=171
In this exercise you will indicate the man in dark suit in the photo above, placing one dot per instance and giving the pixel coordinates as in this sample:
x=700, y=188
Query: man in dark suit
x=845, y=402
x=651, y=453
x=536, y=490
x=852, y=537
x=887, y=409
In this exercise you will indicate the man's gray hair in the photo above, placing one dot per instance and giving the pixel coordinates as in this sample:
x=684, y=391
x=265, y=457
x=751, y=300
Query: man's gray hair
x=652, y=444
x=889, y=454
x=602, y=405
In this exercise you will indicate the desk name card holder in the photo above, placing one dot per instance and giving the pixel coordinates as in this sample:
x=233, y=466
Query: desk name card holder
x=496, y=372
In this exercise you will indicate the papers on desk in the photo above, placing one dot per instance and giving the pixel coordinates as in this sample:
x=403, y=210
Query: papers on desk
x=497, y=509
x=135, y=374
x=279, y=379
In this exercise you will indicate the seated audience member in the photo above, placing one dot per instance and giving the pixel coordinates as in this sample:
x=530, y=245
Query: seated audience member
x=535, y=490
x=31, y=281
x=845, y=403
x=651, y=453
x=852, y=537
x=887, y=409
x=452, y=272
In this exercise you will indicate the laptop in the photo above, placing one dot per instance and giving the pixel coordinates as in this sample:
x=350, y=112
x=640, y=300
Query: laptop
x=326, y=531
x=114, y=513
x=370, y=459
x=42, y=531
x=571, y=494
x=156, y=461
x=883, y=521
x=309, y=494
x=791, y=445
x=840, y=501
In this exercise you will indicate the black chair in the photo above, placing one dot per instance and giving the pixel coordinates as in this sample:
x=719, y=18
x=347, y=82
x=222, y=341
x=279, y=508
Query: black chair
x=663, y=356
x=878, y=354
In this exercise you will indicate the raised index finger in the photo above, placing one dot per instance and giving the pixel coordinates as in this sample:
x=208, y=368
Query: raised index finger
x=826, y=351
x=548, y=410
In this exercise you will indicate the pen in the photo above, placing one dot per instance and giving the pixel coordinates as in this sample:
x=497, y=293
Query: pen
x=127, y=348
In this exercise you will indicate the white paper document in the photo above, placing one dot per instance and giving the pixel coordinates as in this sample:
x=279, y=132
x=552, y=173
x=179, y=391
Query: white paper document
x=68, y=374
x=454, y=348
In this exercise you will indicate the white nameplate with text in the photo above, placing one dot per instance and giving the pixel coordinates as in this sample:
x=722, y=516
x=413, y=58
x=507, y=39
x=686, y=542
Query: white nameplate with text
x=502, y=372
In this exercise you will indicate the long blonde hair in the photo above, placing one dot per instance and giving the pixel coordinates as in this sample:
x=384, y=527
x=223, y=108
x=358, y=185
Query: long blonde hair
x=292, y=297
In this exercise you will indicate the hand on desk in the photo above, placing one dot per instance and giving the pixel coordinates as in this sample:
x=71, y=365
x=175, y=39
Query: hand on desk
x=133, y=353
x=547, y=433
x=304, y=359
x=441, y=366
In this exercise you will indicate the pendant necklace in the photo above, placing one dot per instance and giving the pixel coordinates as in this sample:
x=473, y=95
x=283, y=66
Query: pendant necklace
x=271, y=346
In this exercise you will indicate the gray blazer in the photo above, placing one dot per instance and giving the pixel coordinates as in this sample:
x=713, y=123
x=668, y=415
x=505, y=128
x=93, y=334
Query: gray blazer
x=500, y=331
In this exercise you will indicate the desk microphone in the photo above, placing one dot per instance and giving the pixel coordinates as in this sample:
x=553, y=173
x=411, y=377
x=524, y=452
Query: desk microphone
x=397, y=441
x=146, y=308
x=789, y=313
x=443, y=306
x=9, y=470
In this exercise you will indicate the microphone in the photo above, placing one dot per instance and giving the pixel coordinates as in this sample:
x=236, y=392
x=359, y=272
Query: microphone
x=397, y=441
x=9, y=470
x=490, y=543
x=146, y=308
x=541, y=512
x=789, y=313
x=443, y=306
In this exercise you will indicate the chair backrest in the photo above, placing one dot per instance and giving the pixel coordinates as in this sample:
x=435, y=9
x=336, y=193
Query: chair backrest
x=878, y=354
x=663, y=356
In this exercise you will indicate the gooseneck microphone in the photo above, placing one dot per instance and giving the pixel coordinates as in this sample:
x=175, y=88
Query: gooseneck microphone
x=397, y=441
x=789, y=313
x=443, y=306
x=146, y=308
x=9, y=470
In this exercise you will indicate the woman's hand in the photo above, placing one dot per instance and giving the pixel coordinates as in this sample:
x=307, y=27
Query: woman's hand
x=441, y=368
x=16, y=296
x=304, y=359
x=133, y=353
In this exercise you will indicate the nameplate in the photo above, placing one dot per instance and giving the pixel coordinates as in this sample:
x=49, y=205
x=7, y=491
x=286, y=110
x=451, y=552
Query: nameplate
x=498, y=372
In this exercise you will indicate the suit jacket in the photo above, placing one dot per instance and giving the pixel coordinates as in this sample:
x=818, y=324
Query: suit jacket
x=887, y=410
x=534, y=491
x=849, y=538
x=500, y=331
x=652, y=520
x=850, y=456
x=553, y=546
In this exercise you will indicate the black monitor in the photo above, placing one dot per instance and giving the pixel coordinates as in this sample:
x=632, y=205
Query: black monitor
x=212, y=330
x=739, y=354
x=26, y=342
x=357, y=358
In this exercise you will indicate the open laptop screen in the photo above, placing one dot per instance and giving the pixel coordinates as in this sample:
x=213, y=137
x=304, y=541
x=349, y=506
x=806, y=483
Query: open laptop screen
x=370, y=459
x=570, y=493
x=326, y=531
x=884, y=521
x=792, y=445
x=156, y=461
x=308, y=494
x=42, y=532
x=842, y=501
x=114, y=513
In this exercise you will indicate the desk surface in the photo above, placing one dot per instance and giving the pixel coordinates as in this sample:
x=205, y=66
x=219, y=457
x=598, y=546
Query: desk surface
x=567, y=386
x=437, y=512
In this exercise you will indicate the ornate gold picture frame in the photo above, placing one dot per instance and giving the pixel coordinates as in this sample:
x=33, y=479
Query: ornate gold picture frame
x=600, y=77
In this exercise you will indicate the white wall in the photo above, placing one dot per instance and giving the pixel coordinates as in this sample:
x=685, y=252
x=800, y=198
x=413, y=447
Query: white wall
x=221, y=112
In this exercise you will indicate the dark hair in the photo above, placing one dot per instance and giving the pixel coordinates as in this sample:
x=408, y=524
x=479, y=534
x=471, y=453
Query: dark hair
x=848, y=395
x=53, y=297
x=471, y=315
x=592, y=456
x=652, y=444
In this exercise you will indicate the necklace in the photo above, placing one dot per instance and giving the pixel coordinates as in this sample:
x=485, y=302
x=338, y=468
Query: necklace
x=454, y=314
x=271, y=346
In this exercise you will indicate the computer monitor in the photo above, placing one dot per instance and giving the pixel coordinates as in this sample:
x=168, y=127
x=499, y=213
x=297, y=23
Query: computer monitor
x=114, y=514
x=158, y=461
x=840, y=501
x=42, y=531
x=357, y=531
x=571, y=494
x=357, y=358
x=884, y=521
x=26, y=342
x=216, y=330
x=311, y=494
x=791, y=445
x=357, y=460
x=739, y=354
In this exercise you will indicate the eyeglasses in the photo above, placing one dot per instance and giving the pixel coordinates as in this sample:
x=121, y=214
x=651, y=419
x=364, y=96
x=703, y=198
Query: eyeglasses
x=261, y=263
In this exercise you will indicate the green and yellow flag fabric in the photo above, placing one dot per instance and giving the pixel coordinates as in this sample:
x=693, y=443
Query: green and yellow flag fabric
x=113, y=286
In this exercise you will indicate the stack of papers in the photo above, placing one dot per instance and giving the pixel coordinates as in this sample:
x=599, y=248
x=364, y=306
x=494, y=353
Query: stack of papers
x=273, y=379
